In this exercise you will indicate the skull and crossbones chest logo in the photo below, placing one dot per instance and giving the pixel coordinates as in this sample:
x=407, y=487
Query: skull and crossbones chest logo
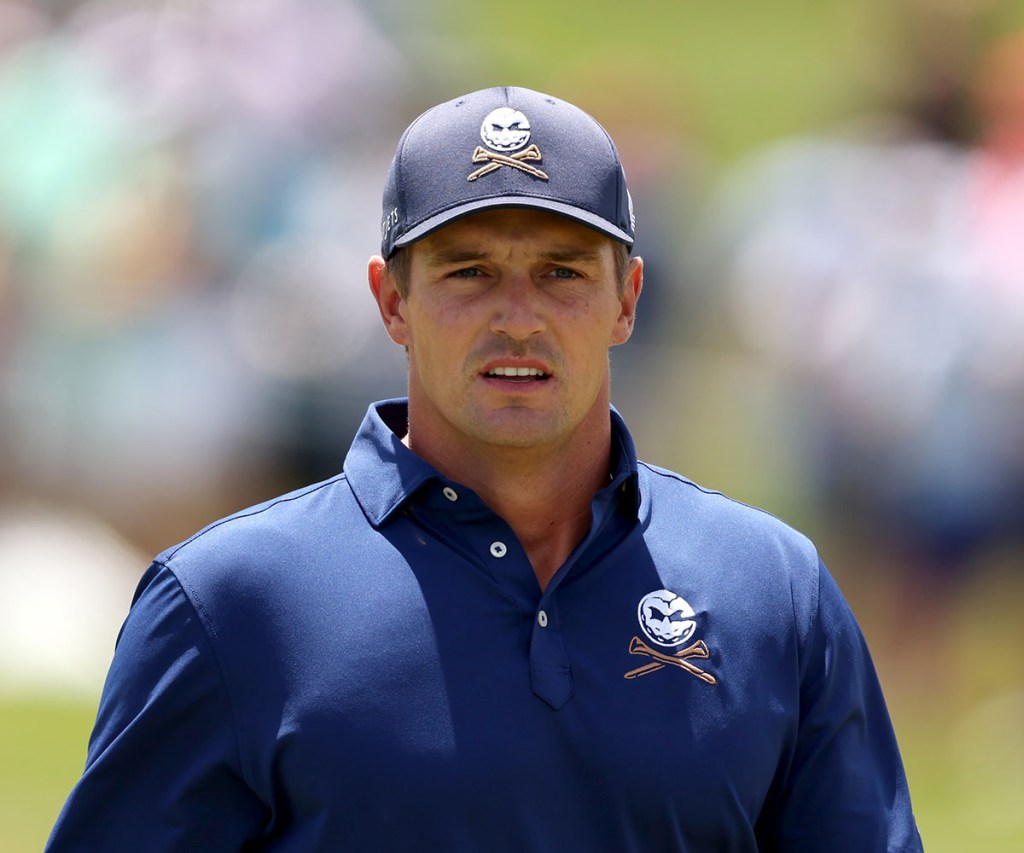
x=504, y=131
x=667, y=619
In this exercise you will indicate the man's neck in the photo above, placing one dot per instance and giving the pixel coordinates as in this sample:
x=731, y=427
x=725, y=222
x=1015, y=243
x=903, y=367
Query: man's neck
x=544, y=494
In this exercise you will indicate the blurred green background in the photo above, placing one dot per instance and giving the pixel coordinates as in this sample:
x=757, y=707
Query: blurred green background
x=693, y=91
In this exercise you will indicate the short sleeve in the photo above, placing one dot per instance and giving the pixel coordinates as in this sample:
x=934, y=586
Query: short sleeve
x=845, y=790
x=162, y=771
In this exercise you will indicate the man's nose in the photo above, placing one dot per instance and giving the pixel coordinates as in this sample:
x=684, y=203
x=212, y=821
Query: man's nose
x=518, y=312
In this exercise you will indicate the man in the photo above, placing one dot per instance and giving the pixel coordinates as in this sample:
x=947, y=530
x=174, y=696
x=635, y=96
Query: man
x=496, y=630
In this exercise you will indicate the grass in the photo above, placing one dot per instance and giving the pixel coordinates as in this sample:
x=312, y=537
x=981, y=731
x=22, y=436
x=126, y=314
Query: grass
x=967, y=776
x=42, y=752
x=951, y=665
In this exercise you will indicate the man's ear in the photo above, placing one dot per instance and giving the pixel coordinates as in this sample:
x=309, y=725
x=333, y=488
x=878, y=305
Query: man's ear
x=389, y=301
x=627, y=302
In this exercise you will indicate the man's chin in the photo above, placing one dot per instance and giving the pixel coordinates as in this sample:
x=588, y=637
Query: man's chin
x=517, y=427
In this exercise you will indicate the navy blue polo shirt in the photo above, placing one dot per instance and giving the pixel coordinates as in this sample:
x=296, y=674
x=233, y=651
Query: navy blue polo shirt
x=369, y=664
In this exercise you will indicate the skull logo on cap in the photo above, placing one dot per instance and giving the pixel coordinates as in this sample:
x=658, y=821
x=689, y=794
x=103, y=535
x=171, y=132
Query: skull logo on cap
x=505, y=129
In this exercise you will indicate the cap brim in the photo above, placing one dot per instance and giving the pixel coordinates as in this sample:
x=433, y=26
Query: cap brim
x=447, y=216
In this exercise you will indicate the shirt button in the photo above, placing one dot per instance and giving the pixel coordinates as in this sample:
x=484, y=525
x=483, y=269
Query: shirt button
x=450, y=493
x=498, y=549
x=542, y=619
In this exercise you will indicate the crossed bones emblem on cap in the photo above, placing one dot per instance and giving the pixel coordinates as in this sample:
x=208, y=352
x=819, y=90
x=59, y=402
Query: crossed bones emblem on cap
x=679, y=659
x=495, y=161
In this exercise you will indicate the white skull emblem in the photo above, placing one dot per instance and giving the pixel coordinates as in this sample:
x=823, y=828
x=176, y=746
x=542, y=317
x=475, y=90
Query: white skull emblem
x=666, y=617
x=505, y=129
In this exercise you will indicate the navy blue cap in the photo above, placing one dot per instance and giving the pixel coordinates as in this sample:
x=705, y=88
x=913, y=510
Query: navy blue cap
x=503, y=147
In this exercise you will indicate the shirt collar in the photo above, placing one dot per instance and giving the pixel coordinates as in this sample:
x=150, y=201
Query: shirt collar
x=384, y=473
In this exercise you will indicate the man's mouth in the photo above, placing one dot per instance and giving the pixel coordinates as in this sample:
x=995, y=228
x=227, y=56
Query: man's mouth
x=517, y=374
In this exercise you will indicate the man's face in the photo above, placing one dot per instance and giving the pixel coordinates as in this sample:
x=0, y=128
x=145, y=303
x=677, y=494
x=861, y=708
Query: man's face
x=507, y=321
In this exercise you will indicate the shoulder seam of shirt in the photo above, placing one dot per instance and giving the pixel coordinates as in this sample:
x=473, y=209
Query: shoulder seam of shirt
x=210, y=633
x=815, y=635
x=253, y=511
x=672, y=475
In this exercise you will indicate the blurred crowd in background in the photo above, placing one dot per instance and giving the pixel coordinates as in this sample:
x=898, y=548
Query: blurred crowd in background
x=189, y=192
x=883, y=270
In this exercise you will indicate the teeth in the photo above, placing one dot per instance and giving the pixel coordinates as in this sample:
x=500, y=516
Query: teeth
x=516, y=371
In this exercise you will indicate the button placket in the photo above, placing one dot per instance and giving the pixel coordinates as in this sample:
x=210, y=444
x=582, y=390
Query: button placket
x=550, y=673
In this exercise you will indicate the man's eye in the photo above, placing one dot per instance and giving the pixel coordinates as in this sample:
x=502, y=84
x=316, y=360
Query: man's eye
x=468, y=272
x=563, y=272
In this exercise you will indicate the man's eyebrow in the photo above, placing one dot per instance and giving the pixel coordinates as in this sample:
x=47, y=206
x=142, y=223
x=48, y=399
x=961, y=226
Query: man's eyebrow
x=568, y=256
x=455, y=255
